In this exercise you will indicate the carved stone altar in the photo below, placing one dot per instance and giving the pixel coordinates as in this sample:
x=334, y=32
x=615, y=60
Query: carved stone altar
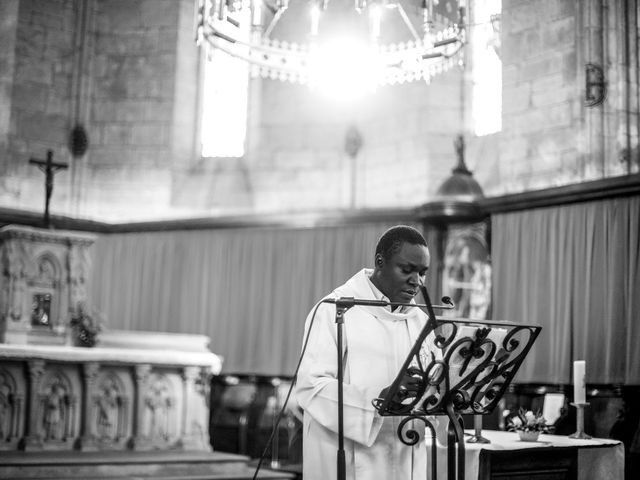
x=134, y=390
x=43, y=280
x=107, y=397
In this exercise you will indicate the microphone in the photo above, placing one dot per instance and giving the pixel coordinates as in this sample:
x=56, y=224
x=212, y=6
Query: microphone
x=348, y=302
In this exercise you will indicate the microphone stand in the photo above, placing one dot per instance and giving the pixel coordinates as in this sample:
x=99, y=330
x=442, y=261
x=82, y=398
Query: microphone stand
x=342, y=305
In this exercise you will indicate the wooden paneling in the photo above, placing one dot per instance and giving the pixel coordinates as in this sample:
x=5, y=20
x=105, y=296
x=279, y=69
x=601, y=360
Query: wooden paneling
x=543, y=464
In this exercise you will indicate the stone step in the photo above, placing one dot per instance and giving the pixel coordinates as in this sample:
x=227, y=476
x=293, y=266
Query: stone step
x=113, y=465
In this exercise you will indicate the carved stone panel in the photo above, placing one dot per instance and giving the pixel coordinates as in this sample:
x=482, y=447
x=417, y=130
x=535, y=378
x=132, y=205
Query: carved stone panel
x=14, y=257
x=42, y=280
x=12, y=406
x=65, y=398
x=79, y=268
x=196, y=409
x=113, y=408
x=162, y=408
x=58, y=412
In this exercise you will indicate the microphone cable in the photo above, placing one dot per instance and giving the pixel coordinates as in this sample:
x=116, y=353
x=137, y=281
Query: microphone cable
x=286, y=400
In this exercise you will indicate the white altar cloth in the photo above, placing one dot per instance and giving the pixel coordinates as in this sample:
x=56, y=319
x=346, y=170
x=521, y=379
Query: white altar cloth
x=110, y=355
x=598, y=458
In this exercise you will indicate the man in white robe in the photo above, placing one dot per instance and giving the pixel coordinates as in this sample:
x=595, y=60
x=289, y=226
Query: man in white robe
x=376, y=342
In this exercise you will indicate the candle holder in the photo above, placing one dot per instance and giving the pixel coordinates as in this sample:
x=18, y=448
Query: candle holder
x=477, y=434
x=580, y=422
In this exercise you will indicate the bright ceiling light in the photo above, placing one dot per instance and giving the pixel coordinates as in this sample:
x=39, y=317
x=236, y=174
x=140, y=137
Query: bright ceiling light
x=344, y=69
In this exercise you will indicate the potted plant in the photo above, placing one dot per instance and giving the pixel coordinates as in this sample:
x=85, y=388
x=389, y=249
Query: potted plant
x=85, y=326
x=529, y=425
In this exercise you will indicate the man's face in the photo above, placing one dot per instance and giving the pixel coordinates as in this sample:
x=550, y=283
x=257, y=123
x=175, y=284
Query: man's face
x=399, y=276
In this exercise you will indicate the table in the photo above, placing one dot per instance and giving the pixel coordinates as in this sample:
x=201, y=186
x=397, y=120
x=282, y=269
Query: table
x=551, y=457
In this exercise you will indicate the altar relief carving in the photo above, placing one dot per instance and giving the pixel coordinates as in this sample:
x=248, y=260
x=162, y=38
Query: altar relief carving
x=11, y=408
x=43, y=277
x=13, y=257
x=79, y=267
x=57, y=411
x=160, y=412
x=132, y=391
x=111, y=412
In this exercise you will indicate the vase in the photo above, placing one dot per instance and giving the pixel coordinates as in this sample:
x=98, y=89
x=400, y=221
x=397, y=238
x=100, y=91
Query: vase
x=531, y=436
x=84, y=338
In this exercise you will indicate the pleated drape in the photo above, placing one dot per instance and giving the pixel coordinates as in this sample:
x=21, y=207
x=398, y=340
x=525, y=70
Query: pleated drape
x=574, y=270
x=249, y=289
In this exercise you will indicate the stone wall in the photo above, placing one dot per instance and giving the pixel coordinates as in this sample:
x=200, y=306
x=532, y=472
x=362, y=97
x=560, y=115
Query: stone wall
x=407, y=147
x=550, y=136
x=135, y=70
x=113, y=68
x=129, y=72
x=541, y=97
x=37, y=86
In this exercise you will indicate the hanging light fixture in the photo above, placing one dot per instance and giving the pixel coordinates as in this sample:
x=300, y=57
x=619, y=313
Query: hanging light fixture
x=423, y=56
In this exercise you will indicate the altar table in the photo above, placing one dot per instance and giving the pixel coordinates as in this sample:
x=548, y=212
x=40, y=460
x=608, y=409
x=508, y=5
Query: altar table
x=551, y=457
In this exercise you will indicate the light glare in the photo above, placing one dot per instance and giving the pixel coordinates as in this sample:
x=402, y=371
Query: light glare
x=343, y=69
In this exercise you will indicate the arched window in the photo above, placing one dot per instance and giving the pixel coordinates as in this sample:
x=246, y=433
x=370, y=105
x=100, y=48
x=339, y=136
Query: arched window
x=224, y=96
x=487, y=67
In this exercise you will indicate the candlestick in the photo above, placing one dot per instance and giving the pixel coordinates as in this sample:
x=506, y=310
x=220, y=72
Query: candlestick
x=580, y=422
x=579, y=386
x=477, y=435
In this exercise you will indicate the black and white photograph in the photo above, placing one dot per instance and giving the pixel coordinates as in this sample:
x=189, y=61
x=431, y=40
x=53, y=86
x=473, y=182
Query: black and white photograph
x=320, y=239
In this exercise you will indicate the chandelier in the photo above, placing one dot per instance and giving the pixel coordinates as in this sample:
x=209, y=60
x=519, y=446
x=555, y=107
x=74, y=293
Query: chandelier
x=243, y=29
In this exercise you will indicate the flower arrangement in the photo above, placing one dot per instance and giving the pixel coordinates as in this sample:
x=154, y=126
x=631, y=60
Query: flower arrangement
x=527, y=421
x=85, y=325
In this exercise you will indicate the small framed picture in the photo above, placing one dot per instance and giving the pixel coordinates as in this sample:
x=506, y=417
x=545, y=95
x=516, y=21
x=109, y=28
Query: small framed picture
x=41, y=310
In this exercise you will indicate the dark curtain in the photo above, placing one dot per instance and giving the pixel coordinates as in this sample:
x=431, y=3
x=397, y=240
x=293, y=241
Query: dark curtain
x=574, y=270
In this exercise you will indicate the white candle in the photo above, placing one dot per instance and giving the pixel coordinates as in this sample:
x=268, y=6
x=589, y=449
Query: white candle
x=579, y=386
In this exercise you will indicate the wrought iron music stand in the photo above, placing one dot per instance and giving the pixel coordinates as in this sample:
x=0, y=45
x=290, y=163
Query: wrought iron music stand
x=342, y=305
x=456, y=367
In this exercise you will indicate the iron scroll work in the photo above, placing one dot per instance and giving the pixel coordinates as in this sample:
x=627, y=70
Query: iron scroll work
x=455, y=367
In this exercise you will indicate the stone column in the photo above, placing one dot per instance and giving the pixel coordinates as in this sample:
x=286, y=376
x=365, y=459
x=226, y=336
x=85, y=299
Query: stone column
x=123, y=419
x=87, y=440
x=73, y=409
x=17, y=421
x=141, y=375
x=188, y=440
x=32, y=438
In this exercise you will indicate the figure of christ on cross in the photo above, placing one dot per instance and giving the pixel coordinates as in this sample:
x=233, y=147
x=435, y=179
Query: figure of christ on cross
x=49, y=167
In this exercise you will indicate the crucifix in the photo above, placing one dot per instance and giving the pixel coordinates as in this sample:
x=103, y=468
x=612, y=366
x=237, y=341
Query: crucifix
x=49, y=167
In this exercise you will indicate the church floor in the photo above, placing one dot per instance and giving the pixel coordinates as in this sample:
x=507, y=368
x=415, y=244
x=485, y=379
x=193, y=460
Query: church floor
x=160, y=465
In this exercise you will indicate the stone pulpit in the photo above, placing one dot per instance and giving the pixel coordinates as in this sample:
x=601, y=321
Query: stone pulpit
x=131, y=391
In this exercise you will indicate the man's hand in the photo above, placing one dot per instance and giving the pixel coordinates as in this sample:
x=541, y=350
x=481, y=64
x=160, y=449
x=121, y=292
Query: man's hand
x=410, y=386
